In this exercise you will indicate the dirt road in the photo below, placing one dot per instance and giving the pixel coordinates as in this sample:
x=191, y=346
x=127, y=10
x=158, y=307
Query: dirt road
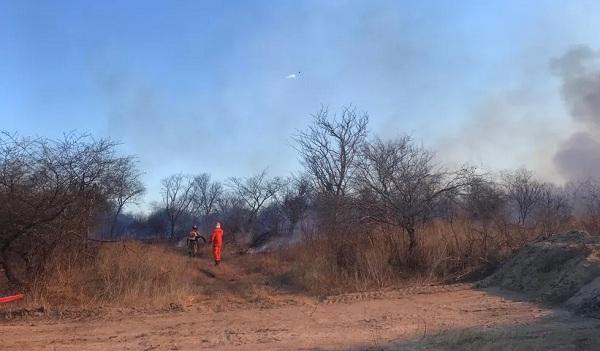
x=404, y=319
x=241, y=308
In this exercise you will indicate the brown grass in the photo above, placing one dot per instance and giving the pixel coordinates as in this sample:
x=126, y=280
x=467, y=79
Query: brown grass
x=135, y=274
x=143, y=276
x=378, y=257
x=128, y=274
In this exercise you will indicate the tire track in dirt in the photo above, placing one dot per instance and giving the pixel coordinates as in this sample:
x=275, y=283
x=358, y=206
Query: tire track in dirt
x=394, y=293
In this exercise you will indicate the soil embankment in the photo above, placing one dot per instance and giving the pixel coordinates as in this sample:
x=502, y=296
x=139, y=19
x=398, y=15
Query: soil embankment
x=563, y=270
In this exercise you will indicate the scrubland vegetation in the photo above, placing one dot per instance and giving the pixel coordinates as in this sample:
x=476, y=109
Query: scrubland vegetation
x=365, y=213
x=123, y=274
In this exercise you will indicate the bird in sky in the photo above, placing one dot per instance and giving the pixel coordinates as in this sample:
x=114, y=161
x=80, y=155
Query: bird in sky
x=293, y=75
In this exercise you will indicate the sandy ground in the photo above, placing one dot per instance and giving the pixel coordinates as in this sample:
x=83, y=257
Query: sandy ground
x=420, y=318
x=381, y=321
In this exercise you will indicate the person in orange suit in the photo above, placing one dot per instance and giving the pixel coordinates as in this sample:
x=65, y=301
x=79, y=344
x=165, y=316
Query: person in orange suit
x=217, y=242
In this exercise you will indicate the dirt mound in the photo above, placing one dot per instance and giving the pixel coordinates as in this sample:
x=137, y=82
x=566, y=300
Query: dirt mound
x=561, y=270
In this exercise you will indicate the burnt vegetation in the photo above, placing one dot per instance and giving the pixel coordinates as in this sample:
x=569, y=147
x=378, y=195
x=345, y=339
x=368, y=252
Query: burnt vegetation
x=365, y=212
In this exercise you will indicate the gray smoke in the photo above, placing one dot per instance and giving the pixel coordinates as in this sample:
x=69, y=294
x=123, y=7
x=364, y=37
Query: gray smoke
x=578, y=157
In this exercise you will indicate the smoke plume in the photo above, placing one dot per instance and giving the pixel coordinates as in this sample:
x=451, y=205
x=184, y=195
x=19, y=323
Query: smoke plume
x=578, y=157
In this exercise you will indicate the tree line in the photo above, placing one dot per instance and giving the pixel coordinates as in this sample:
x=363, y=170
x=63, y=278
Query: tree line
x=58, y=194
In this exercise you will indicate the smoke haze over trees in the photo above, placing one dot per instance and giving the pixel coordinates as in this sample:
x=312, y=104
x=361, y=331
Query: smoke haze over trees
x=198, y=80
x=354, y=190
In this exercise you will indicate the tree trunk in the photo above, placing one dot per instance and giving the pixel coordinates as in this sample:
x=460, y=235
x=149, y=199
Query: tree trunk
x=114, y=221
x=412, y=241
x=412, y=260
x=172, y=234
x=8, y=271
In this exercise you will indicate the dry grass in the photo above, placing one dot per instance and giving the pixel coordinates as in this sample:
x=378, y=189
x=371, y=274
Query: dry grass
x=134, y=274
x=130, y=274
x=378, y=257
x=140, y=276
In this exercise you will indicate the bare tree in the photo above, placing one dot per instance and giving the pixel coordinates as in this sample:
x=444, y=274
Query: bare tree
x=403, y=184
x=255, y=191
x=51, y=192
x=329, y=148
x=177, y=196
x=586, y=203
x=553, y=210
x=126, y=187
x=523, y=193
x=296, y=200
x=206, y=196
x=483, y=200
x=483, y=203
x=232, y=211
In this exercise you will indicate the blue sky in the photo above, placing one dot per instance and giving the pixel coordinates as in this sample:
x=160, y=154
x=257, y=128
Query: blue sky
x=199, y=86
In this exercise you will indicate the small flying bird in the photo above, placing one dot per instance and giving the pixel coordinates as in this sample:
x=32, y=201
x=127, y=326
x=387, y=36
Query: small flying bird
x=293, y=75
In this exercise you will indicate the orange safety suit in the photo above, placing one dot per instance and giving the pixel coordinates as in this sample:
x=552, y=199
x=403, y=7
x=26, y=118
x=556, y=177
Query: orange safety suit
x=217, y=241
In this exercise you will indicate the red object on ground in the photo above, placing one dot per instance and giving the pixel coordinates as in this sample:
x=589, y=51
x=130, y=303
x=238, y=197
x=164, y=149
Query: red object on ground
x=11, y=298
